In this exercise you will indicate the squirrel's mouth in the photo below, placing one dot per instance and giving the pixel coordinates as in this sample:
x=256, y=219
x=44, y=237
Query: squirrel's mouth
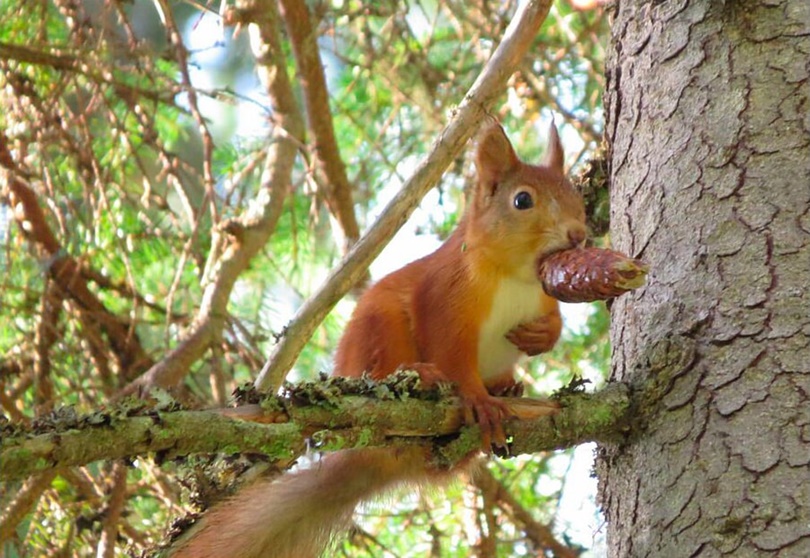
x=540, y=260
x=553, y=248
x=548, y=252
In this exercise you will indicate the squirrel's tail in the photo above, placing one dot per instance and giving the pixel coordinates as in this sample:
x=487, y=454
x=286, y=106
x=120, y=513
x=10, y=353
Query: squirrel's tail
x=296, y=515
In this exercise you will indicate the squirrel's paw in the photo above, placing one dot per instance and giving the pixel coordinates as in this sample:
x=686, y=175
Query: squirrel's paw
x=488, y=413
x=538, y=336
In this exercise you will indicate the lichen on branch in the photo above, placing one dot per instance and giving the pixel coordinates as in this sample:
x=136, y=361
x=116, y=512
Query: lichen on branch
x=335, y=414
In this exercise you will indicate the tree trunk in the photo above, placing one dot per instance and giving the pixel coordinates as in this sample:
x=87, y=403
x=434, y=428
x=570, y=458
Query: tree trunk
x=708, y=110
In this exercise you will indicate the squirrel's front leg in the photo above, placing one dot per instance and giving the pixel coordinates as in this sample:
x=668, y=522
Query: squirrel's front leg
x=537, y=336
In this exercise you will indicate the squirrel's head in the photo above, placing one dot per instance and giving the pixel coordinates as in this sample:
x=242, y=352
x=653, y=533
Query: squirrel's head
x=524, y=212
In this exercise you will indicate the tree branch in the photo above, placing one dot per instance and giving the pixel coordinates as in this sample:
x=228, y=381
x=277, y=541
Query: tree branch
x=284, y=427
x=66, y=271
x=46, y=335
x=68, y=63
x=23, y=502
x=330, y=170
x=540, y=534
x=236, y=242
x=115, y=507
x=472, y=110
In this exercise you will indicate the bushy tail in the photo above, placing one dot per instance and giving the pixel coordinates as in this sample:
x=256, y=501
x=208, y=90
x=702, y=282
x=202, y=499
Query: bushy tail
x=296, y=515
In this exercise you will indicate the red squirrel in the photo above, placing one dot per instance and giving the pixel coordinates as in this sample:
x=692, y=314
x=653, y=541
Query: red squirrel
x=462, y=314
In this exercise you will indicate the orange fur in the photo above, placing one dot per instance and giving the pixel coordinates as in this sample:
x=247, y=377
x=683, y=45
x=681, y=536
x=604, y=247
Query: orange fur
x=462, y=314
x=295, y=516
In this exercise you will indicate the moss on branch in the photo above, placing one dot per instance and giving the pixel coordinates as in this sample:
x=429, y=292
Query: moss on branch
x=331, y=415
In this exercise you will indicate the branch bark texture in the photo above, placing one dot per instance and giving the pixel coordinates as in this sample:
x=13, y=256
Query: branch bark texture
x=350, y=421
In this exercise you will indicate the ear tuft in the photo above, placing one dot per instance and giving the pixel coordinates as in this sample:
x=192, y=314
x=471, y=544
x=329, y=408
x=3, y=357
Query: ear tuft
x=555, y=157
x=494, y=156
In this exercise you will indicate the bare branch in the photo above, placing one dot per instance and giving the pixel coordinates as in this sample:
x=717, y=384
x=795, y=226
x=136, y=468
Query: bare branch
x=115, y=505
x=330, y=169
x=68, y=63
x=45, y=338
x=181, y=56
x=26, y=498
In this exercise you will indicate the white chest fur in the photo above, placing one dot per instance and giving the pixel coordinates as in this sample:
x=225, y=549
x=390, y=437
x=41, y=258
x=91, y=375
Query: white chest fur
x=514, y=302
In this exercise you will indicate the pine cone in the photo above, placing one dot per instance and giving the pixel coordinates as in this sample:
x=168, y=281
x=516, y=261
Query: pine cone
x=588, y=274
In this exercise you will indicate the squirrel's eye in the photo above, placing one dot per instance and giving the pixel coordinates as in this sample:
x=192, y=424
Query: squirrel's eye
x=523, y=200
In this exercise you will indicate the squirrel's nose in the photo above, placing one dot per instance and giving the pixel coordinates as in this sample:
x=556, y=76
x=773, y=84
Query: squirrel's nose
x=576, y=236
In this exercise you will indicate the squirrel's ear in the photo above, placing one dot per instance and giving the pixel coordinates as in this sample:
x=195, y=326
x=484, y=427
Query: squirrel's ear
x=555, y=158
x=494, y=156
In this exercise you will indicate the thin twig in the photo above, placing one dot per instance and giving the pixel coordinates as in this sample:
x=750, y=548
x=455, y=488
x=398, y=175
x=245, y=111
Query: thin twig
x=235, y=243
x=181, y=56
x=115, y=505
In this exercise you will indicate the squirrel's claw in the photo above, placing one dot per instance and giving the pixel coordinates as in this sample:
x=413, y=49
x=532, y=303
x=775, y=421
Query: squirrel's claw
x=488, y=413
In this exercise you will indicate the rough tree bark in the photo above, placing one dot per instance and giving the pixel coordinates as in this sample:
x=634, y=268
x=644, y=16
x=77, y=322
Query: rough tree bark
x=708, y=109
